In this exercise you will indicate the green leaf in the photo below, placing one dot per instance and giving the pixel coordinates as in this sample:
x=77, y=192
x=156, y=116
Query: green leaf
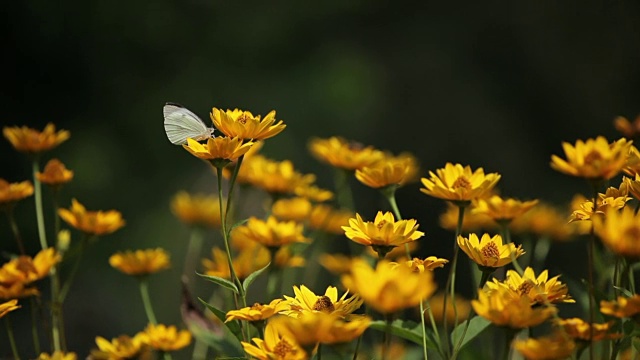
x=220, y=281
x=406, y=329
x=252, y=277
x=626, y=292
x=239, y=223
x=233, y=325
x=477, y=325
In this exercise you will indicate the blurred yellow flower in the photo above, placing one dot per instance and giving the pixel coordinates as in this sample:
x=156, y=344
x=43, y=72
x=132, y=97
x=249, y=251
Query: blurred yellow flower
x=628, y=129
x=306, y=300
x=428, y=264
x=489, y=251
x=329, y=219
x=555, y=347
x=383, y=233
x=218, y=148
x=28, y=140
x=285, y=257
x=12, y=192
x=55, y=173
x=503, y=209
x=293, y=209
x=58, y=355
x=247, y=261
x=633, y=185
x=166, y=338
x=120, y=348
x=140, y=262
x=196, y=209
x=539, y=290
x=544, y=220
x=398, y=253
x=458, y=183
x=91, y=222
x=388, y=171
x=593, y=159
x=622, y=307
x=632, y=165
x=17, y=274
x=272, y=233
x=313, y=193
x=311, y=328
x=505, y=308
x=244, y=125
x=389, y=287
x=274, y=177
x=8, y=307
x=275, y=346
x=619, y=231
x=579, y=329
x=257, y=312
x=436, y=303
x=343, y=154
x=337, y=264
x=471, y=220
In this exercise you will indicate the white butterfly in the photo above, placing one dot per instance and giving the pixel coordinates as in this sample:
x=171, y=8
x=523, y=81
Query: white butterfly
x=180, y=123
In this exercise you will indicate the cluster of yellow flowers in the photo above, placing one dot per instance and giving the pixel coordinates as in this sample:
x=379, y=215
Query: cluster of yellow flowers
x=385, y=287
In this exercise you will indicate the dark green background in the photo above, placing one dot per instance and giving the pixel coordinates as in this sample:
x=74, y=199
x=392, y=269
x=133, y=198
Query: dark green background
x=498, y=85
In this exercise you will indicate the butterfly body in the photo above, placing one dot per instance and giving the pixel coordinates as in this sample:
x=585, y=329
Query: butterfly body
x=180, y=124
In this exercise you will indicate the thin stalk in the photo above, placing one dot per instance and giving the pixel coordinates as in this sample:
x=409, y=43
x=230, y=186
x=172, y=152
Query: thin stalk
x=424, y=330
x=193, y=252
x=74, y=271
x=434, y=327
x=12, y=340
x=389, y=193
x=232, y=183
x=57, y=322
x=355, y=352
x=34, y=328
x=591, y=245
x=344, y=195
x=506, y=236
x=510, y=334
x=540, y=252
x=386, y=342
x=146, y=300
x=450, y=286
x=15, y=230
x=319, y=352
x=37, y=186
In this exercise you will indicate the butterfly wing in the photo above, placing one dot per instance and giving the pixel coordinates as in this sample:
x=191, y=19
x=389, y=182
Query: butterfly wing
x=180, y=123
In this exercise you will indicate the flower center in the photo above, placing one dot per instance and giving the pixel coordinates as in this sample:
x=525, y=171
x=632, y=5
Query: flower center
x=592, y=157
x=525, y=287
x=355, y=146
x=324, y=304
x=381, y=224
x=461, y=182
x=256, y=306
x=243, y=118
x=283, y=348
x=490, y=251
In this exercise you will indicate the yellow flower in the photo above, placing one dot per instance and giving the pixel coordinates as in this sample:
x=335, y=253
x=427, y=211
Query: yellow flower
x=383, y=233
x=437, y=309
x=55, y=173
x=18, y=273
x=58, y=355
x=580, y=330
x=504, y=308
x=632, y=165
x=8, y=307
x=12, y=192
x=121, y=348
x=622, y=307
x=218, y=148
x=328, y=219
x=594, y=159
x=275, y=346
x=272, y=233
x=398, y=253
x=458, y=183
x=313, y=193
x=28, y=140
x=244, y=125
x=539, y=290
x=196, y=209
x=258, y=312
x=503, y=210
x=388, y=171
x=341, y=153
x=428, y=264
x=274, y=177
x=544, y=220
x=619, y=231
x=389, y=287
x=471, y=221
x=628, y=129
x=320, y=327
x=285, y=257
x=306, y=300
x=166, y=338
x=294, y=209
x=633, y=185
x=246, y=262
x=489, y=251
x=140, y=262
x=91, y=222
x=555, y=347
x=337, y=264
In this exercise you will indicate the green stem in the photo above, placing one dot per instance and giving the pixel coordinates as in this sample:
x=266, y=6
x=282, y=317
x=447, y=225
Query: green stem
x=37, y=186
x=344, y=195
x=389, y=193
x=355, y=352
x=146, y=300
x=12, y=340
x=232, y=183
x=424, y=330
x=15, y=230
x=506, y=236
x=272, y=280
x=386, y=342
x=510, y=334
x=57, y=321
x=225, y=235
x=540, y=252
x=74, y=271
x=590, y=262
x=166, y=355
x=319, y=352
x=193, y=252
x=34, y=328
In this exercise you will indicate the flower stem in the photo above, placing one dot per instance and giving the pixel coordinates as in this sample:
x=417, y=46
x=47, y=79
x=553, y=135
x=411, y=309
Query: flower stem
x=506, y=236
x=38, y=199
x=15, y=230
x=450, y=286
x=34, y=328
x=12, y=340
x=424, y=331
x=193, y=252
x=146, y=300
x=389, y=193
x=344, y=194
x=510, y=334
x=386, y=342
x=74, y=271
x=590, y=262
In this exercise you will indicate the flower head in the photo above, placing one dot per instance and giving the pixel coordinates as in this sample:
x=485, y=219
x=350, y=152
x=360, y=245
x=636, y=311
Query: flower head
x=504, y=308
x=28, y=140
x=244, y=125
x=544, y=220
x=294, y=209
x=619, y=231
x=428, y=264
x=436, y=303
x=122, y=347
x=13, y=192
x=555, y=347
x=274, y=177
x=306, y=300
x=272, y=233
x=489, y=251
x=258, y=312
x=458, y=183
x=503, y=209
x=58, y=355
x=313, y=193
x=579, y=329
x=8, y=307
x=166, y=338
x=55, y=173
x=17, y=274
x=471, y=221
x=343, y=154
x=389, y=287
x=220, y=148
x=245, y=263
x=593, y=159
x=140, y=262
x=328, y=219
x=311, y=328
x=388, y=171
x=383, y=233
x=622, y=307
x=196, y=209
x=337, y=264
x=91, y=222
x=628, y=129
x=539, y=289
x=275, y=346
